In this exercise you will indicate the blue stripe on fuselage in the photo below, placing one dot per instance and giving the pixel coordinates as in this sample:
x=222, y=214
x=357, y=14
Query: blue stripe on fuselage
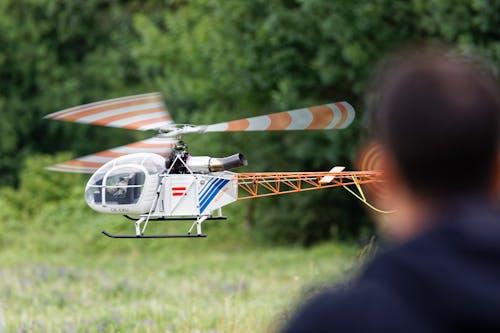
x=210, y=191
x=207, y=187
x=209, y=199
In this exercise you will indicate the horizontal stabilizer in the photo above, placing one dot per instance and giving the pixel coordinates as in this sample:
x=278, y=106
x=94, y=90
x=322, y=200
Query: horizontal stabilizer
x=329, y=178
x=322, y=117
x=90, y=163
x=139, y=112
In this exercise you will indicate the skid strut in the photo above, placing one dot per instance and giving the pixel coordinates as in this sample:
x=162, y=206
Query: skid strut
x=197, y=223
x=140, y=233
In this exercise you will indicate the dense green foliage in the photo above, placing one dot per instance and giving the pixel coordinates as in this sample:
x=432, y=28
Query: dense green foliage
x=56, y=54
x=217, y=60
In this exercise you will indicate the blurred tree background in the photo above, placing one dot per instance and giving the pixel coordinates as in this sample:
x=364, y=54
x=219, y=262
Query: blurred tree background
x=217, y=60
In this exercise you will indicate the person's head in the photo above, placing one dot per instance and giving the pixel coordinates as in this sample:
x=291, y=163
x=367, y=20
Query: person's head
x=437, y=116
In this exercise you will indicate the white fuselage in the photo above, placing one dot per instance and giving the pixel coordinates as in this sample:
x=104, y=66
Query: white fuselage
x=138, y=184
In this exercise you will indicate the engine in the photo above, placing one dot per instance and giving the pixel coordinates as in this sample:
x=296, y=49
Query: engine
x=206, y=164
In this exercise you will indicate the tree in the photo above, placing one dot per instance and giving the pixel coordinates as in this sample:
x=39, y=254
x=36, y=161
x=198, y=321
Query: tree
x=217, y=60
x=57, y=54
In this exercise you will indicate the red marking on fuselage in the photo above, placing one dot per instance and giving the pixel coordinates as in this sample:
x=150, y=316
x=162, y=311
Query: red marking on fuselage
x=178, y=188
x=178, y=191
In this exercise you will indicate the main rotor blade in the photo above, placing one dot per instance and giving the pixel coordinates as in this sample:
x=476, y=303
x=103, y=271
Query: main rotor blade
x=329, y=116
x=90, y=163
x=138, y=112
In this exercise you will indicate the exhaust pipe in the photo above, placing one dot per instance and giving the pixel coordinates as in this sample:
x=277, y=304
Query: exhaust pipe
x=206, y=164
x=227, y=163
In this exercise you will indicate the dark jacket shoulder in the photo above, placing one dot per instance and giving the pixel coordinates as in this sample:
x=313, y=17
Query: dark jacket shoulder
x=445, y=280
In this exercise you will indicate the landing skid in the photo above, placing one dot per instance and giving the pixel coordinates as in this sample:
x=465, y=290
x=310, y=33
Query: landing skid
x=211, y=218
x=152, y=236
x=197, y=221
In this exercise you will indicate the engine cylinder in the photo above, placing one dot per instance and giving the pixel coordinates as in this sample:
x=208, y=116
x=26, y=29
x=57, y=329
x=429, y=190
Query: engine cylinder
x=206, y=164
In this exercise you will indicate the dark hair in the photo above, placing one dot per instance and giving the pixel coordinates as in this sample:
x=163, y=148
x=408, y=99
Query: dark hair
x=438, y=114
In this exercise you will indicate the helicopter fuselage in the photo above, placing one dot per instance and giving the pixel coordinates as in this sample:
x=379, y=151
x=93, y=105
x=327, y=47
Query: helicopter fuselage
x=140, y=184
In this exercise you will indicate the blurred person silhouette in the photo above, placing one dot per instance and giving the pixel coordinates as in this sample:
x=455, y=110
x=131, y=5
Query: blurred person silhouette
x=437, y=118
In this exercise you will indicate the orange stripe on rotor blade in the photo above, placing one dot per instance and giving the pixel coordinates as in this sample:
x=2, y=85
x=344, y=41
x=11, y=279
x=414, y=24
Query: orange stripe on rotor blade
x=322, y=117
x=107, y=120
x=344, y=112
x=108, y=153
x=97, y=110
x=237, y=125
x=279, y=121
x=61, y=167
x=141, y=123
x=84, y=163
x=102, y=103
x=150, y=145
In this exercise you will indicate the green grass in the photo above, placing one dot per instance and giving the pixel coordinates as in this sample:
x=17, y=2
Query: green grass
x=70, y=278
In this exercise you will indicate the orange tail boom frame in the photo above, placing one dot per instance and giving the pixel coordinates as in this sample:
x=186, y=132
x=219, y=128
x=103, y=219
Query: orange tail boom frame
x=264, y=184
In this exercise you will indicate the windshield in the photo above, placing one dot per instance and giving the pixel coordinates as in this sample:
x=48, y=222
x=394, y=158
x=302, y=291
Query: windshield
x=123, y=187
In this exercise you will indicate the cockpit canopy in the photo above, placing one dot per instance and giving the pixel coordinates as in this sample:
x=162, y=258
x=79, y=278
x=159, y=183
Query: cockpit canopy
x=123, y=187
x=153, y=163
x=122, y=181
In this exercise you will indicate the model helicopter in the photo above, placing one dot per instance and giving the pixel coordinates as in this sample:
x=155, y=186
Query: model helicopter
x=157, y=179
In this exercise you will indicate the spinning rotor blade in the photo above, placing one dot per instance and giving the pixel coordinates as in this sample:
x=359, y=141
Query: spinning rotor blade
x=370, y=159
x=329, y=116
x=138, y=112
x=90, y=163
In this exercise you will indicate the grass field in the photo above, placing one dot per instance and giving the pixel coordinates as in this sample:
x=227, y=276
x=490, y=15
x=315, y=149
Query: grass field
x=70, y=278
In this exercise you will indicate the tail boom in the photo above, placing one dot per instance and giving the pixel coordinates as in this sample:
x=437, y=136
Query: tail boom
x=265, y=184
